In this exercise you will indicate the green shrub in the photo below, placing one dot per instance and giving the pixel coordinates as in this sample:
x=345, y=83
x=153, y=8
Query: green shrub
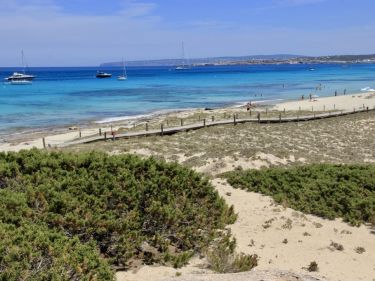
x=110, y=204
x=313, y=266
x=33, y=252
x=326, y=190
x=222, y=258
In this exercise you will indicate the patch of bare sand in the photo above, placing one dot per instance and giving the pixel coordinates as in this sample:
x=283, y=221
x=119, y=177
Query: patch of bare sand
x=289, y=240
x=226, y=164
x=147, y=272
x=255, y=275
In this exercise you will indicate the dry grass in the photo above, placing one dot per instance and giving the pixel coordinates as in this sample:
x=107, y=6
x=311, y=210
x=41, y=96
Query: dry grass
x=346, y=139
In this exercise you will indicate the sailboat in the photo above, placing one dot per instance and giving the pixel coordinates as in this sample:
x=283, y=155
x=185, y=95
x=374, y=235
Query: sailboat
x=21, y=78
x=184, y=65
x=124, y=75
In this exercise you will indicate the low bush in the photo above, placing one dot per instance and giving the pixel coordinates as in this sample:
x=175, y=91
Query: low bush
x=313, y=267
x=222, y=258
x=92, y=206
x=326, y=190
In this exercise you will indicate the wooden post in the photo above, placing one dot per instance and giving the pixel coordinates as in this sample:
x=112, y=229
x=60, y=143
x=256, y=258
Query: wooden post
x=258, y=116
x=182, y=122
x=161, y=129
x=167, y=123
x=100, y=131
x=80, y=133
x=199, y=118
x=146, y=127
x=284, y=110
x=234, y=119
x=204, y=122
x=113, y=136
x=44, y=143
x=213, y=118
x=367, y=109
x=105, y=135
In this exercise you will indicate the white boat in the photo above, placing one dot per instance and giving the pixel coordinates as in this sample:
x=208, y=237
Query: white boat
x=124, y=76
x=184, y=65
x=19, y=78
x=21, y=82
x=101, y=75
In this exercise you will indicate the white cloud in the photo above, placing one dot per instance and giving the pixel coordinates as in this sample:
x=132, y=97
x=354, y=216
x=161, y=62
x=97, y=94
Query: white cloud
x=133, y=9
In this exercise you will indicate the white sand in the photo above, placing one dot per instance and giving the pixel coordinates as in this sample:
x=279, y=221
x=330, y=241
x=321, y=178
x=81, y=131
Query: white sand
x=52, y=139
x=305, y=241
x=347, y=102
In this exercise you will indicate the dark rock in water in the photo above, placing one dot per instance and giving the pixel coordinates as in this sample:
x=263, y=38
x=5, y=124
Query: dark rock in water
x=207, y=108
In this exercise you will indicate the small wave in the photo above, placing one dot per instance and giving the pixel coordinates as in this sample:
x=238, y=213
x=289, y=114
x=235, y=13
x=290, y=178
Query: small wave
x=241, y=104
x=123, y=118
x=140, y=116
x=367, y=89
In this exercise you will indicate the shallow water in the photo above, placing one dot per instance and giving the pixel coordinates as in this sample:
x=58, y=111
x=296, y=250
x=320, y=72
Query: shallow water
x=63, y=96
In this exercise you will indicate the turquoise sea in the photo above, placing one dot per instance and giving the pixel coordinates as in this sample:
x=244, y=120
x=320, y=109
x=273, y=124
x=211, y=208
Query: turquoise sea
x=66, y=96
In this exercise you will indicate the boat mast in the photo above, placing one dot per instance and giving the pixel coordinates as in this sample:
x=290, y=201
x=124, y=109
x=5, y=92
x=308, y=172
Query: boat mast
x=23, y=62
x=123, y=68
x=183, y=53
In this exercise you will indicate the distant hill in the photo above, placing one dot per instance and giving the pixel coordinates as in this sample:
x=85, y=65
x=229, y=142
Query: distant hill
x=213, y=60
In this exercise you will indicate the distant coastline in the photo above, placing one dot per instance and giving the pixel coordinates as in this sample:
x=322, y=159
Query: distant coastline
x=253, y=60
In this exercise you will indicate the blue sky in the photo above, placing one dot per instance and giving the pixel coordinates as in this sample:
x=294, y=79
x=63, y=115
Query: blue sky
x=88, y=32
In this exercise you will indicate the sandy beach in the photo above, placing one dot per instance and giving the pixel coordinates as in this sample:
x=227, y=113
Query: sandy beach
x=28, y=141
x=343, y=102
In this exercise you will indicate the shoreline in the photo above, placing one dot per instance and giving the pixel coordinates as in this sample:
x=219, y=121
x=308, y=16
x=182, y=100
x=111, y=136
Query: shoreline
x=57, y=135
x=126, y=121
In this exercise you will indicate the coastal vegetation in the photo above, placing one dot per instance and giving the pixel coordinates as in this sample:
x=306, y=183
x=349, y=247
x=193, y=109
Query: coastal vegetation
x=327, y=190
x=70, y=216
x=222, y=257
x=213, y=150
